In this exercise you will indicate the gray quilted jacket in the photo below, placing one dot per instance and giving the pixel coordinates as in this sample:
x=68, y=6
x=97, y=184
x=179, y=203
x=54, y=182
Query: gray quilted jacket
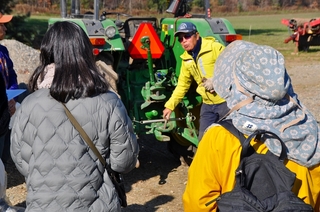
x=61, y=172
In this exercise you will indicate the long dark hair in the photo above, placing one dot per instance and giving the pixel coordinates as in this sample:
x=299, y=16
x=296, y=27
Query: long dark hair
x=76, y=76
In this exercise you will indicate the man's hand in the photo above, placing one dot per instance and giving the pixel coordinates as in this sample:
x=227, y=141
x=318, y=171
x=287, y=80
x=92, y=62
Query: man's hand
x=208, y=84
x=166, y=113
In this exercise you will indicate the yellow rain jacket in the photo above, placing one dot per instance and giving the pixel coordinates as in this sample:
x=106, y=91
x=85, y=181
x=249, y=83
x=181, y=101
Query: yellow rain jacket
x=209, y=51
x=212, y=172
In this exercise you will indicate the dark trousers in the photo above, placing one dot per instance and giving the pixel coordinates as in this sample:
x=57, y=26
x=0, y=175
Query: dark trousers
x=210, y=114
x=2, y=140
x=5, y=147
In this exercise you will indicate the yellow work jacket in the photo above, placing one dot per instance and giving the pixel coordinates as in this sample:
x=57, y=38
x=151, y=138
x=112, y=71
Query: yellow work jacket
x=203, y=67
x=212, y=172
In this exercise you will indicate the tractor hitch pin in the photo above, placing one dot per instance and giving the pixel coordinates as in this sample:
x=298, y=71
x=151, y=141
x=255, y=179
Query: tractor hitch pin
x=160, y=120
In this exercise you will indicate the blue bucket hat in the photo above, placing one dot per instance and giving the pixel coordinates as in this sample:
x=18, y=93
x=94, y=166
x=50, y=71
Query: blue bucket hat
x=185, y=27
x=254, y=82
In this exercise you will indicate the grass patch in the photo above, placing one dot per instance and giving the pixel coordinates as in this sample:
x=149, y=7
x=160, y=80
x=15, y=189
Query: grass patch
x=268, y=30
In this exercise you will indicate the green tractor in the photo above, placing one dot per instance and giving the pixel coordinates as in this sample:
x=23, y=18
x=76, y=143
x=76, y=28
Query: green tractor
x=141, y=58
x=103, y=34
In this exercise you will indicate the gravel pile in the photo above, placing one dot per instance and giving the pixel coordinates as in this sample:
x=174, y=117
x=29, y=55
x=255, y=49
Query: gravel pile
x=25, y=58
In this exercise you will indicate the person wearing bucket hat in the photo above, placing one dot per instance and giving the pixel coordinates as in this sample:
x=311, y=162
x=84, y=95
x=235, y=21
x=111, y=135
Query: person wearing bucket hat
x=11, y=81
x=197, y=64
x=256, y=86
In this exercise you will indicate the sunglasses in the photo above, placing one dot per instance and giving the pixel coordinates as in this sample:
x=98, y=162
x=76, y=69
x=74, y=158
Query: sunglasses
x=185, y=36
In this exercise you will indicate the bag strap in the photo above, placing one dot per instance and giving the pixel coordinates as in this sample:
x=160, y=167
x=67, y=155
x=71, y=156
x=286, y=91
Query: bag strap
x=84, y=135
x=283, y=153
x=245, y=142
x=228, y=125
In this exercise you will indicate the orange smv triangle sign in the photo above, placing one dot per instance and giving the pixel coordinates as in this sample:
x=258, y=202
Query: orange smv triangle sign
x=156, y=47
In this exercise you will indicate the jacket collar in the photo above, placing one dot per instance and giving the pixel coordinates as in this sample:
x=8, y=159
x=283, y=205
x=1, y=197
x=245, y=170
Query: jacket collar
x=195, y=51
x=203, y=47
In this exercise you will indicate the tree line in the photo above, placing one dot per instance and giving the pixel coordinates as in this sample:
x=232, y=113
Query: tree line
x=161, y=5
x=19, y=29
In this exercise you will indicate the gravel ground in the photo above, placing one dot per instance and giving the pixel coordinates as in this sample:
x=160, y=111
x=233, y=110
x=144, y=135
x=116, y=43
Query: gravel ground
x=159, y=183
x=25, y=58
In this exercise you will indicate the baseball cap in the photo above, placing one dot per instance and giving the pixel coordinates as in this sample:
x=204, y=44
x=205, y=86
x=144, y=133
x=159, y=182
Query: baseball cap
x=185, y=27
x=5, y=18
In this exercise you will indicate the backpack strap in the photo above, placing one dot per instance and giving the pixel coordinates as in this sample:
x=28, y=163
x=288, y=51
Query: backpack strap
x=228, y=125
x=283, y=153
x=247, y=149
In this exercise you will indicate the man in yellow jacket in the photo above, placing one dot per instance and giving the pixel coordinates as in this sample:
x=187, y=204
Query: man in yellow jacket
x=198, y=62
x=254, y=82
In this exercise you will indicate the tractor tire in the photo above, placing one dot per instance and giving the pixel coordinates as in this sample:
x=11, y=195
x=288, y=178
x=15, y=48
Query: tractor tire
x=303, y=48
x=104, y=63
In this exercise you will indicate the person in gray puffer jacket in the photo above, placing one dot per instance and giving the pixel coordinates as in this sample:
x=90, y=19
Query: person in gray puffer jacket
x=62, y=173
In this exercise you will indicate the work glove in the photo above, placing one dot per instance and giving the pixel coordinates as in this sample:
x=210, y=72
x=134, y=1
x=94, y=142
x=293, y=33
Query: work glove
x=208, y=84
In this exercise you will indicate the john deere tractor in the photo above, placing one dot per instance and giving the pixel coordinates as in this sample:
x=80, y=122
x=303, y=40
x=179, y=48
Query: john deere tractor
x=141, y=57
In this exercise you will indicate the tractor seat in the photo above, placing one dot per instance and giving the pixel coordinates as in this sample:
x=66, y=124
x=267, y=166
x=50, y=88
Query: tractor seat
x=131, y=25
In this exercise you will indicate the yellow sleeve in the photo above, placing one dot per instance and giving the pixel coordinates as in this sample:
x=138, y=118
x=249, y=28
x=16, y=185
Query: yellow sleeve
x=184, y=82
x=307, y=184
x=212, y=171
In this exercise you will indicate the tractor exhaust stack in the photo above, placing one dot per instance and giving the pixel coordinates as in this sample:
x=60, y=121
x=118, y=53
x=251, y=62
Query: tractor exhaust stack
x=63, y=8
x=96, y=9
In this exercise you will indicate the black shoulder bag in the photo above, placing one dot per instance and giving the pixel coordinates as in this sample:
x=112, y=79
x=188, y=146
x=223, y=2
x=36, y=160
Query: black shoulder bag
x=116, y=178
